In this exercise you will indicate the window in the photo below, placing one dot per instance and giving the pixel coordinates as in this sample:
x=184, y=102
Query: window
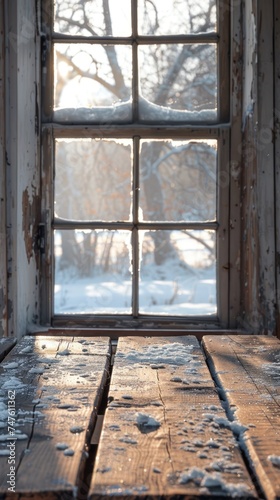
x=135, y=155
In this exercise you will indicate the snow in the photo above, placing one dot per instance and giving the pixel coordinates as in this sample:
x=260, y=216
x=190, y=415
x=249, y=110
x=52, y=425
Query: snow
x=26, y=350
x=213, y=480
x=119, y=490
x=174, y=353
x=104, y=469
x=12, y=383
x=122, y=112
x=48, y=361
x=38, y=371
x=183, y=286
x=76, y=429
x=10, y=366
x=7, y=437
x=4, y=453
x=66, y=352
x=273, y=370
x=147, y=423
x=69, y=452
x=128, y=440
x=61, y=446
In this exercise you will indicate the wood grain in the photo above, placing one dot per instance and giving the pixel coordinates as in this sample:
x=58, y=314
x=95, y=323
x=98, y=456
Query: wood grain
x=58, y=385
x=187, y=453
x=247, y=369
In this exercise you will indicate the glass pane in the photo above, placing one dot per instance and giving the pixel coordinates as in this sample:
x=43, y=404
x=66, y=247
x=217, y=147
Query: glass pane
x=173, y=17
x=178, y=82
x=92, y=272
x=93, y=17
x=93, y=179
x=178, y=180
x=178, y=273
x=96, y=78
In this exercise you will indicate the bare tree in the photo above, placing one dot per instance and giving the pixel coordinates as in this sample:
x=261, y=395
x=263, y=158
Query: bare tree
x=177, y=83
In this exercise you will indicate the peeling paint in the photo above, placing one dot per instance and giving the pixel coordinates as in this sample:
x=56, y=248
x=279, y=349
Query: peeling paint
x=250, y=61
x=3, y=312
x=30, y=223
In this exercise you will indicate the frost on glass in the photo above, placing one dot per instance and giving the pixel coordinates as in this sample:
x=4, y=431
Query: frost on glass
x=178, y=273
x=93, y=179
x=93, y=17
x=178, y=180
x=92, y=83
x=173, y=17
x=92, y=272
x=178, y=82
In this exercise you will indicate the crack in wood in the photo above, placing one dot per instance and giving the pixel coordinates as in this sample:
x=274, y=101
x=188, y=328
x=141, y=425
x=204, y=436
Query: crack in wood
x=169, y=441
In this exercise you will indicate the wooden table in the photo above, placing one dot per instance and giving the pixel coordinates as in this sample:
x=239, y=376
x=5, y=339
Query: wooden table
x=180, y=420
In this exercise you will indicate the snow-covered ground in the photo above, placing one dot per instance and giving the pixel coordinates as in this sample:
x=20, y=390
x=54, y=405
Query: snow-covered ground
x=182, y=286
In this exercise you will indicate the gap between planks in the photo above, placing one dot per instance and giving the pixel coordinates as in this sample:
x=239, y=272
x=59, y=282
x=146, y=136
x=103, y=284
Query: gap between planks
x=246, y=370
x=58, y=384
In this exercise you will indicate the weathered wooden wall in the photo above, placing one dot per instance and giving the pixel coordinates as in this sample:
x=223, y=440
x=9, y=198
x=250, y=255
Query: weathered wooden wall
x=277, y=152
x=3, y=257
x=258, y=286
x=22, y=173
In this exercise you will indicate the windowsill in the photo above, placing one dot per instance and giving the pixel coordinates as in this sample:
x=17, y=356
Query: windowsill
x=115, y=333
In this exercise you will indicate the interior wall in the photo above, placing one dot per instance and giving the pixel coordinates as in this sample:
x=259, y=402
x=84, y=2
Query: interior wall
x=22, y=172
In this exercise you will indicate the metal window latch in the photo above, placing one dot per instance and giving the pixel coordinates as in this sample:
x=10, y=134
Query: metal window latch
x=44, y=49
x=41, y=240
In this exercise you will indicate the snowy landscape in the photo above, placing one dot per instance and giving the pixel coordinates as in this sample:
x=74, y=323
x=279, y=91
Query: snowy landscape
x=185, y=285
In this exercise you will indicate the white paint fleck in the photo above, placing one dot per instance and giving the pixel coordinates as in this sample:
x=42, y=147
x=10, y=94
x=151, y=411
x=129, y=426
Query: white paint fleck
x=26, y=350
x=104, y=469
x=66, y=352
x=7, y=437
x=128, y=440
x=275, y=460
x=4, y=453
x=38, y=371
x=10, y=366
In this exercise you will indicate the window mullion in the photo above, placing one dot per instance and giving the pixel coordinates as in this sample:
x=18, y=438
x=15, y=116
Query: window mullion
x=135, y=234
x=135, y=181
x=223, y=14
x=135, y=77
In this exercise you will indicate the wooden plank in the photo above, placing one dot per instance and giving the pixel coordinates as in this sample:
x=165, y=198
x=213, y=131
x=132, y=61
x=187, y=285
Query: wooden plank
x=5, y=346
x=247, y=370
x=265, y=174
x=56, y=385
x=164, y=432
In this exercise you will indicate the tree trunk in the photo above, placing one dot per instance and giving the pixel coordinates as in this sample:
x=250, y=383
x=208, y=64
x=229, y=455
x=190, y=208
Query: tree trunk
x=154, y=200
